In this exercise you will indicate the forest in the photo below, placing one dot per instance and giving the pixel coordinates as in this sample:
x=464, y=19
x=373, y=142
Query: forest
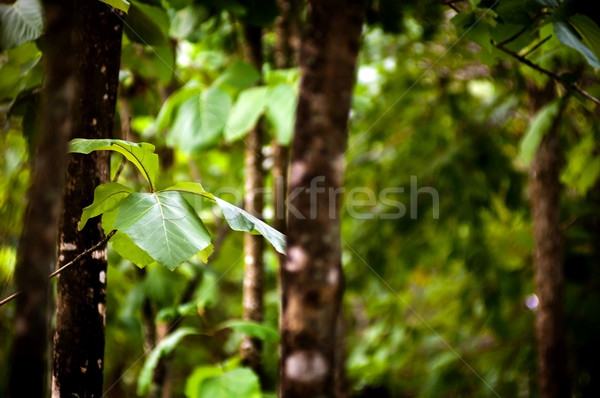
x=287, y=198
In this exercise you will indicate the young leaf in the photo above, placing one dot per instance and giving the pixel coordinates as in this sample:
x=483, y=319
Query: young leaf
x=245, y=113
x=123, y=244
x=238, y=219
x=281, y=111
x=106, y=197
x=252, y=329
x=122, y=5
x=539, y=126
x=163, y=348
x=140, y=154
x=164, y=225
x=20, y=22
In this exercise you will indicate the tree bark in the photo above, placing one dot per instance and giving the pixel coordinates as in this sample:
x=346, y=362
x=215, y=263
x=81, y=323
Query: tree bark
x=553, y=376
x=81, y=289
x=37, y=246
x=251, y=348
x=312, y=280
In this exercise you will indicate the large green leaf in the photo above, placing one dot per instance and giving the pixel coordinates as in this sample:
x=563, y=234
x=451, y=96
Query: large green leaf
x=140, y=154
x=123, y=244
x=237, y=383
x=20, y=22
x=106, y=197
x=569, y=37
x=281, y=111
x=538, y=127
x=252, y=329
x=122, y=5
x=245, y=113
x=238, y=219
x=163, y=348
x=164, y=225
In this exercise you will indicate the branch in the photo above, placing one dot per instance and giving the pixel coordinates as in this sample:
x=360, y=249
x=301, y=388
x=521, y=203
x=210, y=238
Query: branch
x=546, y=72
x=67, y=265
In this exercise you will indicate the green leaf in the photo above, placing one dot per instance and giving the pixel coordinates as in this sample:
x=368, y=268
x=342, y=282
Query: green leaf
x=589, y=32
x=281, y=111
x=164, y=225
x=238, y=219
x=252, y=329
x=122, y=5
x=106, y=197
x=147, y=24
x=569, y=37
x=163, y=348
x=238, y=76
x=140, y=154
x=540, y=124
x=20, y=22
x=245, y=113
x=123, y=244
x=236, y=383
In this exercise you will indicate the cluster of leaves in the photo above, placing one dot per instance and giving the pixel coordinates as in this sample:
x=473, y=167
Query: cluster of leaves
x=159, y=225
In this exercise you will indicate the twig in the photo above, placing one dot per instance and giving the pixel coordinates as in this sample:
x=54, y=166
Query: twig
x=546, y=72
x=67, y=265
x=532, y=49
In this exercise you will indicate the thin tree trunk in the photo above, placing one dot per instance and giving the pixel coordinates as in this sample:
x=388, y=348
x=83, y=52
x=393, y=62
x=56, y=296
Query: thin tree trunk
x=37, y=246
x=81, y=290
x=312, y=281
x=251, y=348
x=553, y=377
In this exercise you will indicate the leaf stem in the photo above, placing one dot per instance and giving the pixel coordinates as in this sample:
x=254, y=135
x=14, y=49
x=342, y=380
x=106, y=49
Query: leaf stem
x=67, y=265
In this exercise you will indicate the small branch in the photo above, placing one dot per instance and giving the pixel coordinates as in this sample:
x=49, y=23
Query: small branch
x=546, y=72
x=513, y=37
x=536, y=46
x=67, y=265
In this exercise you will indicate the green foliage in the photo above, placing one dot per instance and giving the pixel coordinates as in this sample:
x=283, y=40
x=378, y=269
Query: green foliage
x=160, y=225
x=20, y=22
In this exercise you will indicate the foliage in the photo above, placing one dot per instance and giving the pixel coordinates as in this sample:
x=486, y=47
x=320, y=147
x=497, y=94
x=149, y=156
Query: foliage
x=436, y=99
x=161, y=223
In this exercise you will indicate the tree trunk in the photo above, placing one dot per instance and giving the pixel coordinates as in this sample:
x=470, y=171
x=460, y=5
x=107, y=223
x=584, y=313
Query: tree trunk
x=312, y=281
x=553, y=378
x=81, y=289
x=37, y=246
x=251, y=348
